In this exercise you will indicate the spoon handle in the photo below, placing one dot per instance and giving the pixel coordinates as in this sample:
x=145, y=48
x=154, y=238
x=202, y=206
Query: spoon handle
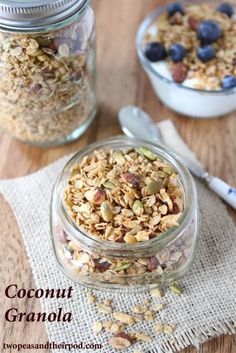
x=225, y=191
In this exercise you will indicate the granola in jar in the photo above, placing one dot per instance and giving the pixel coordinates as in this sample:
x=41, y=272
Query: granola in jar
x=47, y=77
x=128, y=206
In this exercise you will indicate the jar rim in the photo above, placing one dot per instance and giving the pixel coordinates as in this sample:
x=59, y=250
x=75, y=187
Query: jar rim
x=89, y=241
x=41, y=16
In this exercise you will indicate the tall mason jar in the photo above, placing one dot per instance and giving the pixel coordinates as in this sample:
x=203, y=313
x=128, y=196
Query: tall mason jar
x=47, y=70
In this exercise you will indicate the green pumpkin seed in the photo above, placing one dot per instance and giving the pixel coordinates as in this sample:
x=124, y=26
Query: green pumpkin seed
x=147, y=153
x=176, y=289
x=154, y=187
x=119, y=157
x=109, y=185
x=169, y=170
x=106, y=212
x=137, y=208
x=122, y=267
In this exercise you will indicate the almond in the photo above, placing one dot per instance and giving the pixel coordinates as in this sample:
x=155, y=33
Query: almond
x=133, y=179
x=193, y=22
x=180, y=72
x=121, y=341
x=152, y=264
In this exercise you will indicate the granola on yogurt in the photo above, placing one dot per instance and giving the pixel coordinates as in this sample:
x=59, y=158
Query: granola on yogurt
x=47, y=83
x=198, y=43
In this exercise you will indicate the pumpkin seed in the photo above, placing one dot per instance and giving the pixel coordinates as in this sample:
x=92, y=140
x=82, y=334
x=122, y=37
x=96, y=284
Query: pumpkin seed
x=119, y=157
x=137, y=208
x=109, y=185
x=147, y=153
x=176, y=289
x=153, y=187
x=122, y=267
x=169, y=170
x=106, y=212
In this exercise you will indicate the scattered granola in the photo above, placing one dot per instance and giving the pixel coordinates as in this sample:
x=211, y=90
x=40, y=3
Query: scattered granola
x=123, y=317
x=139, y=309
x=157, y=307
x=91, y=298
x=47, y=82
x=198, y=42
x=149, y=315
x=140, y=336
x=159, y=327
x=104, y=309
x=176, y=289
x=156, y=293
x=168, y=329
x=113, y=327
x=121, y=341
x=97, y=327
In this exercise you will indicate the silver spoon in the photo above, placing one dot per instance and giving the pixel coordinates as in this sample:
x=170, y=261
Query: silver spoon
x=135, y=122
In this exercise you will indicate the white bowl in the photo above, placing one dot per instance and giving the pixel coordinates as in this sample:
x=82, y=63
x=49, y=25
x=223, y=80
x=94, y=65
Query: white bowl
x=184, y=100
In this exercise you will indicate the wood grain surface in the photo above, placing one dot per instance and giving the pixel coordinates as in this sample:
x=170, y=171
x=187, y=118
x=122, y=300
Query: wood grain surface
x=121, y=81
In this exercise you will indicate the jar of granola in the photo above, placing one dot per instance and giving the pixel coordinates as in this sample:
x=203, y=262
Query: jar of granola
x=124, y=214
x=47, y=71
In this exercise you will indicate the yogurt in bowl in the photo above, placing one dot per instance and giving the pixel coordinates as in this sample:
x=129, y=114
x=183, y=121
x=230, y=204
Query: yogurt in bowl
x=188, y=52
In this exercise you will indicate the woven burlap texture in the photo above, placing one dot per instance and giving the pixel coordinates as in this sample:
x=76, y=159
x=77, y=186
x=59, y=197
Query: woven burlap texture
x=206, y=309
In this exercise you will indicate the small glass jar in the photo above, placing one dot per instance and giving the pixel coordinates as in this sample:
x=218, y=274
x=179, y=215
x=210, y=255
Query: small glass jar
x=174, y=249
x=47, y=70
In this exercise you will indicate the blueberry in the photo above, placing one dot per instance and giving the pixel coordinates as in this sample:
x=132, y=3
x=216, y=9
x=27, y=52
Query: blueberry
x=226, y=8
x=175, y=7
x=155, y=51
x=177, y=52
x=228, y=82
x=206, y=53
x=209, y=31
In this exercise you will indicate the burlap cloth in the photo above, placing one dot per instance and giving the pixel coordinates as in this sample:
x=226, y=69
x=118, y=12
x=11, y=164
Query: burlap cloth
x=206, y=309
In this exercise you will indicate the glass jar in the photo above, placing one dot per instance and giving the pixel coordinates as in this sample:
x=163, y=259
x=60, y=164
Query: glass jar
x=173, y=249
x=47, y=70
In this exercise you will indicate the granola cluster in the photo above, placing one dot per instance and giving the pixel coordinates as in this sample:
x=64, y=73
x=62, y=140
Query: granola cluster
x=47, y=83
x=124, y=196
x=209, y=66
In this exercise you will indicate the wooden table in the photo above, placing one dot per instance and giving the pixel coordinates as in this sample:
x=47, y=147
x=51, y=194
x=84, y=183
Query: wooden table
x=121, y=81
